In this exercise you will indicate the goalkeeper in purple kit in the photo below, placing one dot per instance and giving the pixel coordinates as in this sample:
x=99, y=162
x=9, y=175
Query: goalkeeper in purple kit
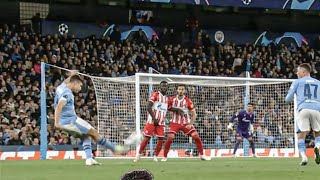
x=245, y=127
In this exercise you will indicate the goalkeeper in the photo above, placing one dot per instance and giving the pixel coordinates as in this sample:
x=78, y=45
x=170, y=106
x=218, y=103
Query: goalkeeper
x=245, y=127
x=65, y=118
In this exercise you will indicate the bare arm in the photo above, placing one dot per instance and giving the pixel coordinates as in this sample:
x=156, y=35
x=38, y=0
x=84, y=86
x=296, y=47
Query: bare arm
x=57, y=112
x=149, y=109
x=73, y=72
x=193, y=117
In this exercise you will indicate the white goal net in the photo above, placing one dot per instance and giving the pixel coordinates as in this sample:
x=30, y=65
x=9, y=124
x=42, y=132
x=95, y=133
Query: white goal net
x=121, y=104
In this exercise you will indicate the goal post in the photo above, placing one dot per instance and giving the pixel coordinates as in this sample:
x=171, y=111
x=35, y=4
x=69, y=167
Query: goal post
x=216, y=99
x=121, y=110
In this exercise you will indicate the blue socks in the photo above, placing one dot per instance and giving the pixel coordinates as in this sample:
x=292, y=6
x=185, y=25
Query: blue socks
x=106, y=144
x=317, y=142
x=302, y=147
x=86, y=145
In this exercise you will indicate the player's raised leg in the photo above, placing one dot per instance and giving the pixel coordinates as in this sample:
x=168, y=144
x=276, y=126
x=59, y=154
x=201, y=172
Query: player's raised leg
x=106, y=144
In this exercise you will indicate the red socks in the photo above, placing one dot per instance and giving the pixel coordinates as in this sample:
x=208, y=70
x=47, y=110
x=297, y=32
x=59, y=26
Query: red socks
x=198, y=144
x=167, y=146
x=143, y=144
x=158, y=147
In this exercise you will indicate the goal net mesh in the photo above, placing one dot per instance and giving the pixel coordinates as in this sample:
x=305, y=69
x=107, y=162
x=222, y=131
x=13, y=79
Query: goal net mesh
x=215, y=100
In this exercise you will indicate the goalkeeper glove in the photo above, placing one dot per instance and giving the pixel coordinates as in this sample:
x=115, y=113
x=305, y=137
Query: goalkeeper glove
x=230, y=126
x=251, y=128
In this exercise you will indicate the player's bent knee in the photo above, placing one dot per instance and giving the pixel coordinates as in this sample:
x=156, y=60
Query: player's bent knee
x=303, y=134
x=194, y=134
x=171, y=135
x=147, y=137
x=94, y=134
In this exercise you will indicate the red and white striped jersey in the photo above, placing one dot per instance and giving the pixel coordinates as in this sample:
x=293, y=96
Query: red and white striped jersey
x=185, y=104
x=160, y=107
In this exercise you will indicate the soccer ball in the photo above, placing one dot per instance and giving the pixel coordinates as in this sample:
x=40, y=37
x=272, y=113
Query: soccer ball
x=63, y=29
x=134, y=138
x=246, y=2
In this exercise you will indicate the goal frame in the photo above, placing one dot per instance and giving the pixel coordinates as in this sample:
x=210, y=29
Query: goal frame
x=138, y=76
x=247, y=79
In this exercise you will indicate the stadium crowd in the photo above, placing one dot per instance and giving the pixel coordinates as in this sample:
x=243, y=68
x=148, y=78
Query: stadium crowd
x=21, y=53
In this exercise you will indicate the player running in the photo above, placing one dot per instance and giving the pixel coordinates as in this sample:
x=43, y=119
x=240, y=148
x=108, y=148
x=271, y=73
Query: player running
x=308, y=107
x=245, y=127
x=181, y=106
x=65, y=118
x=157, y=109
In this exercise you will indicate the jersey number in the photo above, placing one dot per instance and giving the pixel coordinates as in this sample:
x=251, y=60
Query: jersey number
x=308, y=92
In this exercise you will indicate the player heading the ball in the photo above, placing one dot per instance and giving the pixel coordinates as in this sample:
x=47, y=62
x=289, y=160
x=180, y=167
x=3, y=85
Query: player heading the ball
x=182, y=108
x=157, y=109
x=65, y=118
x=245, y=127
x=307, y=93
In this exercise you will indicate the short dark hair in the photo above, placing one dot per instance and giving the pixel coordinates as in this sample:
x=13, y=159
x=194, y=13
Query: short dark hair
x=250, y=104
x=163, y=82
x=75, y=78
x=179, y=85
x=305, y=66
x=138, y=175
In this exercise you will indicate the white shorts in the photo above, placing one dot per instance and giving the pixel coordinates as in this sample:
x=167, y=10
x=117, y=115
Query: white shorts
x=307, y=117
x=80, y=126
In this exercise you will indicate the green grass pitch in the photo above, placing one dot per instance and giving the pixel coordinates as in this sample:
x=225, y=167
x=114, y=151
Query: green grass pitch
x=173, y=169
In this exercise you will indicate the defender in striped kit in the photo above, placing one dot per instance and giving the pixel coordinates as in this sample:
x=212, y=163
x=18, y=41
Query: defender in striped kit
x=183, y=118
x=157, y=109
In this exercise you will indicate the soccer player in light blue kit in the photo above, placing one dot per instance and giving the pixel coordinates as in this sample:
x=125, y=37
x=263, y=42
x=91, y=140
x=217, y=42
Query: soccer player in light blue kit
x=307, y=93
x=66, y=119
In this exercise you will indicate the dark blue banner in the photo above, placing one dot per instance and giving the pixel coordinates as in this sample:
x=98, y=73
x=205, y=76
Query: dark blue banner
x=275, y=4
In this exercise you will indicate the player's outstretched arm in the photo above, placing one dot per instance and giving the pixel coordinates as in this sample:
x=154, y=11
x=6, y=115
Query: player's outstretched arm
x=291, y=92
x=230, y=125
x=57, y=112
x=73, y=72
x=193, y=116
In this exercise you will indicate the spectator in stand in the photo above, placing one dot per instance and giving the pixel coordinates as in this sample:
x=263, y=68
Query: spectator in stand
x=21, y=54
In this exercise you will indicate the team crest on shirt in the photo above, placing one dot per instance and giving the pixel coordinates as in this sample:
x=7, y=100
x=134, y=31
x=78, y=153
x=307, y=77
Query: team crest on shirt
x=161, y=107
x=245, y=120
x=65, y=96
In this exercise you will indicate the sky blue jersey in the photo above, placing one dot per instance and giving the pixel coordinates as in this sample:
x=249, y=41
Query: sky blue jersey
x=68, y=114
x=307, y=93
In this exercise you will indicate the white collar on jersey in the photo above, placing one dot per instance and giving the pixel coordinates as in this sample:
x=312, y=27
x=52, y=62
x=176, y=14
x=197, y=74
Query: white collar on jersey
x=181, y=98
